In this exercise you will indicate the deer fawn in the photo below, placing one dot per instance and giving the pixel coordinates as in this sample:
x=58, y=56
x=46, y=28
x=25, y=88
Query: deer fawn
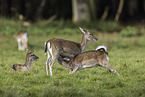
x=30, y=56
x=98, y=57
x=22, y=39
x=65, y=48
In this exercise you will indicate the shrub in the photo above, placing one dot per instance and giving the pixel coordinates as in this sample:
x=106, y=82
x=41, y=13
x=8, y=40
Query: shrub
x=141, y=31
x=108, y=26
x=129, y=31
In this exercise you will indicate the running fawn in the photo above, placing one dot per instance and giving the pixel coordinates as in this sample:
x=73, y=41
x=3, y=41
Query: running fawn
x=98, y=57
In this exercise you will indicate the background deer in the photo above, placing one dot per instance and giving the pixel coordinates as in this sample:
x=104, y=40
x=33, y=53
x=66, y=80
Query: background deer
x=30, y=56
x=98, y=57
x=65, y=48
x=22, y=39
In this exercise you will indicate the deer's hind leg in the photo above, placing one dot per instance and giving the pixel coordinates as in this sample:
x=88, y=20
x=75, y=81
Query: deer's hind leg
x=53, y=55
x=25, y=45
x=19, y=44
x=112, y=69
x=49, y=57
x=105, y=64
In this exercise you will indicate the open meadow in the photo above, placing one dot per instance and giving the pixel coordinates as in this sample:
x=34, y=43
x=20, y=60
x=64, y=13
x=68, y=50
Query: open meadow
x=126, y=55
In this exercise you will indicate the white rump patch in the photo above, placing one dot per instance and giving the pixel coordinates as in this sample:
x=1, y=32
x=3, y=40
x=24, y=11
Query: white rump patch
x=49, y=50
x=102, y=47
x=25, y=37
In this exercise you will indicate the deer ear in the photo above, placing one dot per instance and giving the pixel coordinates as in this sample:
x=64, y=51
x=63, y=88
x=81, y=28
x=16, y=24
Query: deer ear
x=27, y=51
x=82, y=30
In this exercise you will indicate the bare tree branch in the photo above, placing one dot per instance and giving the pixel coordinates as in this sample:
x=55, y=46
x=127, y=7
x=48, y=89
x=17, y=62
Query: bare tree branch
x=105, y=13
x=119, y=10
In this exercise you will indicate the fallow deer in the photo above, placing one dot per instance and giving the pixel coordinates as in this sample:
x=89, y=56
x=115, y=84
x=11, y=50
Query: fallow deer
x=22, y=39
x=30, y=56
x=98, y=57
x=65, y=48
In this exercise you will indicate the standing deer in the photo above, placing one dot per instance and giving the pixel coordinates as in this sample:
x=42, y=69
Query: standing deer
x=98, y=57
x=22, y=39
x=65, y=48
x=30, y=56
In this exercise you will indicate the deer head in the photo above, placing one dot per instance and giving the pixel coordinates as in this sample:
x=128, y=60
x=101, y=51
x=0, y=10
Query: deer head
x=88, y=35
x=31, y=56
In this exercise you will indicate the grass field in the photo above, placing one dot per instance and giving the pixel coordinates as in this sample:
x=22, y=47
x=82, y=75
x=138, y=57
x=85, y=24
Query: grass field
x=127, y=56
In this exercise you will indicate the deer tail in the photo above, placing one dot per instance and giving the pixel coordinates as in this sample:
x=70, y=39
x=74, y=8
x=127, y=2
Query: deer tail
x=26, y=33
x=45, y=47
x=104, y=48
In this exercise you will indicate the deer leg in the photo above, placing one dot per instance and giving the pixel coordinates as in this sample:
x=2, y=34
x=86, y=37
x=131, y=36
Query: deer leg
x=50, y=67
x=47, y=66
x=112, y=69
x=19, y=44
x=49, y=58
x=22, y=45
x=74, y=69
x=106, y=65
x=51, y=64
x=54, y=55
x=25, y=44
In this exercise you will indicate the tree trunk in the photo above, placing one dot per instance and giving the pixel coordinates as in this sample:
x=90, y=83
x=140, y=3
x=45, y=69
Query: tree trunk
x=92, y=9
x=119, y=10
x=40, y=9
x=105, y=13
x=80, y=11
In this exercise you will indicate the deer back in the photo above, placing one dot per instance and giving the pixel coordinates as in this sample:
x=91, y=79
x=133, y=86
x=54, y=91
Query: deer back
x=64, y=47
x=21, y=35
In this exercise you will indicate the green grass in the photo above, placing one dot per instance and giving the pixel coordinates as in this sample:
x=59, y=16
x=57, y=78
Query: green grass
x=14, y=25
x=126, y=56
x=108, y=26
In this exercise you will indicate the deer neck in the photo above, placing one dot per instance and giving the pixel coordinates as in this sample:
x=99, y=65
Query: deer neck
x=83, y=43
x=28, y=63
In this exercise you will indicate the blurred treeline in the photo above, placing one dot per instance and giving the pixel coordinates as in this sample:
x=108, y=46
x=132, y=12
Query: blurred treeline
x=77, y=10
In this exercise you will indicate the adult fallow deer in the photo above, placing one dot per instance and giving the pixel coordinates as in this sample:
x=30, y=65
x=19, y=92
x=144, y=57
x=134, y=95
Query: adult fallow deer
x=30, y=56
x=98, y=57
x=65, y=48
x=22, y=39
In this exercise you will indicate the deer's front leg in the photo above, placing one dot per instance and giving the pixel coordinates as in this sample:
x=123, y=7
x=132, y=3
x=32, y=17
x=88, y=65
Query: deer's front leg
x=75, y=68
